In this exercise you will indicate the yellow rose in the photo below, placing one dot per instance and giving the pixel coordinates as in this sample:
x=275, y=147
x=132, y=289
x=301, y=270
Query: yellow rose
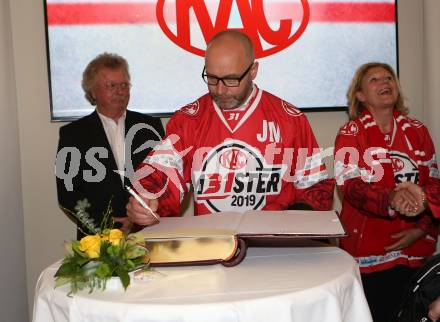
x=114, y=236
x=90, y=245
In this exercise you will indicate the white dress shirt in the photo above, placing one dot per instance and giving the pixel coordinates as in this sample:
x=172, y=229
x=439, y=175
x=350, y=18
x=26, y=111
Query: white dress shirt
x=115, y=132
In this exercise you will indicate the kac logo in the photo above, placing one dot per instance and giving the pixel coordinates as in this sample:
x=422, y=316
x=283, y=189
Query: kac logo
x=234, y=176
x=404, y=168
x=233, y=159
x=349, y=129
x=190, y=24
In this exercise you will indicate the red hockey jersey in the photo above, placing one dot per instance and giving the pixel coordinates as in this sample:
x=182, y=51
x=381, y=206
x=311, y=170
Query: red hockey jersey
x=266, y=158
x=368, y=219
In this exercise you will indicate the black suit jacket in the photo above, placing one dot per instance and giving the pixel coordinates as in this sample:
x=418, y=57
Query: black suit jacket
x=84, y=134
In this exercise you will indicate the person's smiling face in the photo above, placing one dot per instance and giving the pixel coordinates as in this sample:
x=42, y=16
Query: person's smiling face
x=379, y=89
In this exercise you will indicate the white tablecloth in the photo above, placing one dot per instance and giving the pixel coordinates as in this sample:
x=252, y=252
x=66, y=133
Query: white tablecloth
x=303, y=284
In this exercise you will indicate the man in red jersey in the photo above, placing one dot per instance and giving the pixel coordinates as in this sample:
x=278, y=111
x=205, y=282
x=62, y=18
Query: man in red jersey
x=240, y=148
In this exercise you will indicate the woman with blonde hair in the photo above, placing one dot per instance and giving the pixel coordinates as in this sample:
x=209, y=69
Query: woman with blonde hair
x=381, y=154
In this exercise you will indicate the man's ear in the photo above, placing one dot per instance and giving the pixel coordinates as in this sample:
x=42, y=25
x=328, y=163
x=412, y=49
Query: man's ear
x=254, y=70
x=92, y=94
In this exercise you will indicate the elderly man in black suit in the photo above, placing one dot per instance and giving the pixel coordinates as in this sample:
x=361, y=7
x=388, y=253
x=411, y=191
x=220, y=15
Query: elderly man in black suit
x=97, y=153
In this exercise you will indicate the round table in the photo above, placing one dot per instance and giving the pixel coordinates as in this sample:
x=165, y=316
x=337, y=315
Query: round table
x=305, y=283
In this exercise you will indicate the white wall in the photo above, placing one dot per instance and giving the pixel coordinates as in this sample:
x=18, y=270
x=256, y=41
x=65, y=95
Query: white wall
x=13, y=295
x=410, y=29
x=45, y=227
x=431, y=68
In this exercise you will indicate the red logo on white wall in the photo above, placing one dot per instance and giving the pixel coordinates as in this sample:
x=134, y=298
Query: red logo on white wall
x=272, y=26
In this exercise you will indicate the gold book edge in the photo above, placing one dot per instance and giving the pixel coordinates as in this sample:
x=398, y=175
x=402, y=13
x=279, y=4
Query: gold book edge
x=191, y=249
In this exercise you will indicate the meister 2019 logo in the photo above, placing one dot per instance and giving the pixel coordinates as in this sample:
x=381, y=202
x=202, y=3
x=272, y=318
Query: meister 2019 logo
x=272, y=26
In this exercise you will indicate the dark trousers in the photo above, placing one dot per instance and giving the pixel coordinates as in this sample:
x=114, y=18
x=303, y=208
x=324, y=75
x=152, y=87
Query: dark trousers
x=384, y=291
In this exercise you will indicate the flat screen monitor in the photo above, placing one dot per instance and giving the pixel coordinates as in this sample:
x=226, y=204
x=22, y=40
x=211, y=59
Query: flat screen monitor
x=308, y=50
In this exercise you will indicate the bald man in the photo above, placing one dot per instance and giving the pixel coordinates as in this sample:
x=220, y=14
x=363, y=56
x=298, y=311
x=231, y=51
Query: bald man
x=239, y=148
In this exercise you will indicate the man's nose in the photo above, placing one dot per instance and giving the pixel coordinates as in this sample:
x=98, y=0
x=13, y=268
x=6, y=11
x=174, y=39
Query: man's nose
x=221, y=87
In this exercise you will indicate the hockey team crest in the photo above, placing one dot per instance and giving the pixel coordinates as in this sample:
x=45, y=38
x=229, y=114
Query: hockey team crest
x=290, y=109
x=350, y=128
x=404, y=168
x=234, y=176
x=191, y=109
x=416, y=123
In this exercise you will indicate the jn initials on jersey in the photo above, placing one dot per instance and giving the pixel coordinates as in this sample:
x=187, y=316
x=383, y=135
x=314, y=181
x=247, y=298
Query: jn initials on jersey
x=270, y=131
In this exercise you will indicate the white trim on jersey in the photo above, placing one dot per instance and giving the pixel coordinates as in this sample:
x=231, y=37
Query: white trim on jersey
x=245, y=116
x=367, y=125
x=377, y=151
x=394, y=133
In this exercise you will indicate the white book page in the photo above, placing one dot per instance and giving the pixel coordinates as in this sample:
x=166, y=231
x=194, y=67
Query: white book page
x=219, y=224
x=291, y=222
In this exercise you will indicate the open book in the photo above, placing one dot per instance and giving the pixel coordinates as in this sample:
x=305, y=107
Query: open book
x=222, y=237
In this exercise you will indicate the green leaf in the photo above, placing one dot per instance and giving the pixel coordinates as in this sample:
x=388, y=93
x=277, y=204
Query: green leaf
x=123, y=276
x=139, y=262
x=103, y=270
x=81, y=261
x=113, y=250
x=134, y=252
x=130, y=264
x=77, y=251
x=66, y=269
x=137, y=238
x=59, y=281
x=107, y=220
x=69, y=249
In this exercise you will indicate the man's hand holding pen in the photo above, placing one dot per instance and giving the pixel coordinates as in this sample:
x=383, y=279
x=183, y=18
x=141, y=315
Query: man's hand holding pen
x=142, y=210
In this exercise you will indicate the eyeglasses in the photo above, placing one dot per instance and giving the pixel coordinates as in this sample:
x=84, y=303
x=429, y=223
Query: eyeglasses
x=113, y=87
x=227, y=81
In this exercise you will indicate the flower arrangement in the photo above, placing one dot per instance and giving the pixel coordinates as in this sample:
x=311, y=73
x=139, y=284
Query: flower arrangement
x=97, y=257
